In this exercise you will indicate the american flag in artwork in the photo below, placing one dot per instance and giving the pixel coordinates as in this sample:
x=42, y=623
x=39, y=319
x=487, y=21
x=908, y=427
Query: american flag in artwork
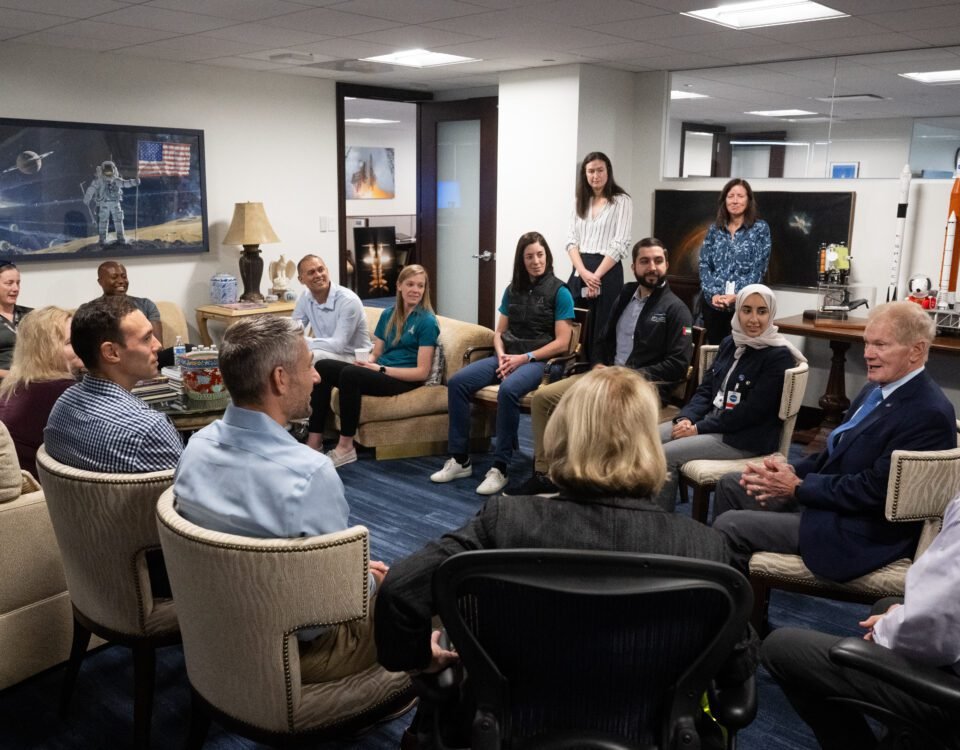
x=158, y=159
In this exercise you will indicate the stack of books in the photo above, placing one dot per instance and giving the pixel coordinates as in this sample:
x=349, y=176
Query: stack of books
x=174, y=378
x=155, y=390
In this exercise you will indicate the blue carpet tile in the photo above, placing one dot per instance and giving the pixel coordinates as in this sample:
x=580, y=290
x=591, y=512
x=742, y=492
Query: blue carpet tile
x=403, y=510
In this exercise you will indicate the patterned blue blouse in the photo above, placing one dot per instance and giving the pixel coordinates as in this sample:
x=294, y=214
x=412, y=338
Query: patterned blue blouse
x=741, y=259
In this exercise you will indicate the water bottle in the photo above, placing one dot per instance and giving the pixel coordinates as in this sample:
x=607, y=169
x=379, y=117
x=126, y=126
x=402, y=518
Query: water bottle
x=178, y=349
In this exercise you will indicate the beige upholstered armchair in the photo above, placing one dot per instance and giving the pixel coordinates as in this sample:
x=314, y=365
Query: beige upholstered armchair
x=35, y=619
x=174, y=324
x=105, y=525
x=920, y=486
x=702, y=475
x=415, y=423
x=241, y=602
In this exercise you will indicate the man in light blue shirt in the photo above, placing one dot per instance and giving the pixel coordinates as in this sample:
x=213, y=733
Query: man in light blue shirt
x=334, y=314
x=246, y=475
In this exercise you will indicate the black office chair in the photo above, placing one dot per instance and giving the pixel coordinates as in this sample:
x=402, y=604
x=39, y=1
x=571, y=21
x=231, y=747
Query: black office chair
x=925, y=683
x=577, y=649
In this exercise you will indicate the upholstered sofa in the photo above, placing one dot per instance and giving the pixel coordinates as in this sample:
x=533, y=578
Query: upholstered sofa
x=36, y=624
x=415, y=423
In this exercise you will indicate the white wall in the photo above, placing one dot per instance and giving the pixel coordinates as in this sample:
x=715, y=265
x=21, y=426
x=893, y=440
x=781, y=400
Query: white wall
x=403, y=141
x=267, y=138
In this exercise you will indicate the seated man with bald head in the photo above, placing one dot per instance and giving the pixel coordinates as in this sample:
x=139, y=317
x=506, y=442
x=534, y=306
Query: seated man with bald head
x=112, y=278
x=831, y=505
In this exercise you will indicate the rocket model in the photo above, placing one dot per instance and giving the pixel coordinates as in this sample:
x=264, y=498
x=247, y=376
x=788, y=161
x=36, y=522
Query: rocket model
x=905, y=177
x=948, y=256
x=955, y=211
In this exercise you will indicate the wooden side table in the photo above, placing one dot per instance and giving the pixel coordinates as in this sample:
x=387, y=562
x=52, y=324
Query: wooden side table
x=230, y=315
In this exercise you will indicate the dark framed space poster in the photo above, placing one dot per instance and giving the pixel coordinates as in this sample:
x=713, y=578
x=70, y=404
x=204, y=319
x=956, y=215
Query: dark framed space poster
x=799, y=223
x=79, y=190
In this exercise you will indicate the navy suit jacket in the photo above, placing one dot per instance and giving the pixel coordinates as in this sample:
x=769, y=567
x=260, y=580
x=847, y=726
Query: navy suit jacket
x=843, y=531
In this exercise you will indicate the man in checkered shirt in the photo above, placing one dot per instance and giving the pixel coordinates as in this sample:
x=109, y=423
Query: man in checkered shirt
x=98, y=424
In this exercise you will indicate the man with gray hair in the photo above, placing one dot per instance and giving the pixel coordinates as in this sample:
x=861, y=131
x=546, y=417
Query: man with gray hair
x=832, y=503
x=246, y=475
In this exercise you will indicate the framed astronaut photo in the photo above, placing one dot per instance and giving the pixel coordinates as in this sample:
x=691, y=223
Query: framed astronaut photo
x=80, y=190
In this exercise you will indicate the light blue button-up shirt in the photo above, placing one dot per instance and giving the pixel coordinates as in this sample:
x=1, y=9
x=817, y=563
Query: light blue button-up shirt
x=246, y=475
x=339, y=325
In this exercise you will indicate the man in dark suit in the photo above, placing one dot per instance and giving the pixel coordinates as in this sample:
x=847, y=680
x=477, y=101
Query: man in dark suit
x=832, y=503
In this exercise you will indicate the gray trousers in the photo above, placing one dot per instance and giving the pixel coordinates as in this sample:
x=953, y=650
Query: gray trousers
x=678, y=452
x=748, y=528
x=799, y=661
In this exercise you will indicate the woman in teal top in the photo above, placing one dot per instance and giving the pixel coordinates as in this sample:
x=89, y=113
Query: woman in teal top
x=403, y=345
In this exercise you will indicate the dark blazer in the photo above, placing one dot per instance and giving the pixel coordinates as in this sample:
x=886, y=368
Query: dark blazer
x=754, y=423
x=843, y=531
x=405, y=606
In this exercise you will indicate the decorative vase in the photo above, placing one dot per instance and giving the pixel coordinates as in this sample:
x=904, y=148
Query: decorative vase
x=202, y=380
x=223, y=289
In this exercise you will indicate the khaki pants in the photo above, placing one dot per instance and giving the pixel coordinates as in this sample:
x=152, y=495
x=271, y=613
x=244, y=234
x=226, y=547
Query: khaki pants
x=545, y=400
x=345, y=649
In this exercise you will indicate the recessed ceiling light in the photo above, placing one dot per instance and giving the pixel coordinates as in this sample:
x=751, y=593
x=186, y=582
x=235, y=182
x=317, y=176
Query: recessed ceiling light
x=687, y=95
x=371, y=121
x=934, y=76
x=753, y=15
x=781, y=113
x=769, y=143
x=419, y=58
x=842, y=98
x=292, y=57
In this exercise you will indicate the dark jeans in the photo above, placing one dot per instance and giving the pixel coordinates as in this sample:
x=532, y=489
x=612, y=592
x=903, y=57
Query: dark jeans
x=799, y=660
x=354, y=383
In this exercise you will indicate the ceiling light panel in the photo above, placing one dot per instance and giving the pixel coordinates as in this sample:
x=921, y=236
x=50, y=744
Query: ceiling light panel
x=760, y=13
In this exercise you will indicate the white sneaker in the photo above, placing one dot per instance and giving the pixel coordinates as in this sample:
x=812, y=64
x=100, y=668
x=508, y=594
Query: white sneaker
x=492, y=483
x=451, y=470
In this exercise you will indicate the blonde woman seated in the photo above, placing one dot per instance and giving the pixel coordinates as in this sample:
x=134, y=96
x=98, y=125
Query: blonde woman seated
x=735, y=411
x=606, y=483
x=403, y=346
x=44, y=366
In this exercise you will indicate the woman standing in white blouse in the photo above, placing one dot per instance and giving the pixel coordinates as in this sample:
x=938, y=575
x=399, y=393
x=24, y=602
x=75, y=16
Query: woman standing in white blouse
x=599, y=239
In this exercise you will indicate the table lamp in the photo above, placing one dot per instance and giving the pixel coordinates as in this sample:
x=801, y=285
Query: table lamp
x=250, y=227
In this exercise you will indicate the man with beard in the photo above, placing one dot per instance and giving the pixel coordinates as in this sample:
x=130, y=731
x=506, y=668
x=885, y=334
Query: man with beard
x=246, y=475
x=649, y=330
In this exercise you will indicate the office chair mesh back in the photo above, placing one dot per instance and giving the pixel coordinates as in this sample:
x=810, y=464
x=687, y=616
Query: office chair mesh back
x=557, y=651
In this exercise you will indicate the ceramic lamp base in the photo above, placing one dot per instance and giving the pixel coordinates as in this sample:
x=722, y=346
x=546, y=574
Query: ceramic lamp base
x=251, y=271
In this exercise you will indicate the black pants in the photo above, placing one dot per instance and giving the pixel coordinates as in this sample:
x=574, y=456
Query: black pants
x=799, y=661
x=717, y=322
x=354, y=383
x=601, y=308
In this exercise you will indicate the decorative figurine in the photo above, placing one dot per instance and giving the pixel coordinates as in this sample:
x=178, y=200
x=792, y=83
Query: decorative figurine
x=921, y=292
x=281, y=271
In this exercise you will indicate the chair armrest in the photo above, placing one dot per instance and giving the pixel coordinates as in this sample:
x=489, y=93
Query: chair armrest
x=734, y=706
x=471, y=350
x=929, y=684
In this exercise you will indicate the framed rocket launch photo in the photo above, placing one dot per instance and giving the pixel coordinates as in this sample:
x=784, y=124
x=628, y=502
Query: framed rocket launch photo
x=79, y=190
x=369, y=173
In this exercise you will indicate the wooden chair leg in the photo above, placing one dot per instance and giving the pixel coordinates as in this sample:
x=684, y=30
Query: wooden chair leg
x=199, y=723
x=701, y=502
x=761, y=606
x=683, y=487
x=78, y=649
x=144, y=670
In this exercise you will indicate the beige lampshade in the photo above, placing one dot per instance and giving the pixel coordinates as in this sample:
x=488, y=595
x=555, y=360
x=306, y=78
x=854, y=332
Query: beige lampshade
x=250, y=226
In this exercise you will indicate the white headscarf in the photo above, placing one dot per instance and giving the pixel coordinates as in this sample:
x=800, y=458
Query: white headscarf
x=770, y=337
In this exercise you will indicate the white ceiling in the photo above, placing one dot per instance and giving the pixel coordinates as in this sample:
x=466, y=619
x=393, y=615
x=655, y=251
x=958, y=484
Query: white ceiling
x=630, y=35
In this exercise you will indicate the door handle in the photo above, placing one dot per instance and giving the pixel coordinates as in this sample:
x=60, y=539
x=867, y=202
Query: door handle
x=486, y=255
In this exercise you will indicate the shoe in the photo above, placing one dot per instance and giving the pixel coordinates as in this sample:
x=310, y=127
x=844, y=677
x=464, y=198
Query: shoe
x=539, y=485
x=339, y=459
x=451, y=470
x=492, y=483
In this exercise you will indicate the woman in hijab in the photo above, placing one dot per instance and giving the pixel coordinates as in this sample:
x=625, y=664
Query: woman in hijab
x=735, y=411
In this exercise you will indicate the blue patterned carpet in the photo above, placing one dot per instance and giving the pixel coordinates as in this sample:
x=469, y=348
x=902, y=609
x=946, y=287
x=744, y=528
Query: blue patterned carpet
x=402, y=509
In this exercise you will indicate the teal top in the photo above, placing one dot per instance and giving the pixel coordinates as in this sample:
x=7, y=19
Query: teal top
x=421, y=329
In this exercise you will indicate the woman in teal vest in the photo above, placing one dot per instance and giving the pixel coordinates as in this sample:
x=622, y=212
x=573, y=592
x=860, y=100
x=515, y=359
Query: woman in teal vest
x=534, y=325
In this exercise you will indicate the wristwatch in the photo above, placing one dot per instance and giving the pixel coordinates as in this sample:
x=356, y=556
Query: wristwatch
x=383, y=370
x=530, y=357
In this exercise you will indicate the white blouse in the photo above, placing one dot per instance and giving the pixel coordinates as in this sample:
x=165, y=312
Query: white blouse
x=606, y=234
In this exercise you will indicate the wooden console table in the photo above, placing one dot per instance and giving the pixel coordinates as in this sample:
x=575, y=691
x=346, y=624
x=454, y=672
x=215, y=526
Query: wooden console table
x=229, y=316
x=834, y=401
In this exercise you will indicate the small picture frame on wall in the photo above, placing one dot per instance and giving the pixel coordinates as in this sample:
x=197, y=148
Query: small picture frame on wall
x=71, y=190
x=844, y=170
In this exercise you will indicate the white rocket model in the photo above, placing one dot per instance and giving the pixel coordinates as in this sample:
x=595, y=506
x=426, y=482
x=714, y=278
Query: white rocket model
x=905, y=177
x=947, y=262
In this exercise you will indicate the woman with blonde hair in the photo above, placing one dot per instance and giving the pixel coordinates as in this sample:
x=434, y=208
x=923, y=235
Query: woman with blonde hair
x=44, y=366
x=605, y=456
x=403, y=346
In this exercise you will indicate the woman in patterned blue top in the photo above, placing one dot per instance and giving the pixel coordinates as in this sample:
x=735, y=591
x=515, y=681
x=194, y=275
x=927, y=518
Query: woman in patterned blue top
x=735, y=253
x=403, y=346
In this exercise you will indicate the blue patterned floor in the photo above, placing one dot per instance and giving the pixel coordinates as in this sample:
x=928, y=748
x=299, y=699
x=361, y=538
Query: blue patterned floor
x=402, y=509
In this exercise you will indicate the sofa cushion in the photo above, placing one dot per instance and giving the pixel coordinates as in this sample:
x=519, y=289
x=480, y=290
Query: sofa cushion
x=10, y=477
x=415, y=403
